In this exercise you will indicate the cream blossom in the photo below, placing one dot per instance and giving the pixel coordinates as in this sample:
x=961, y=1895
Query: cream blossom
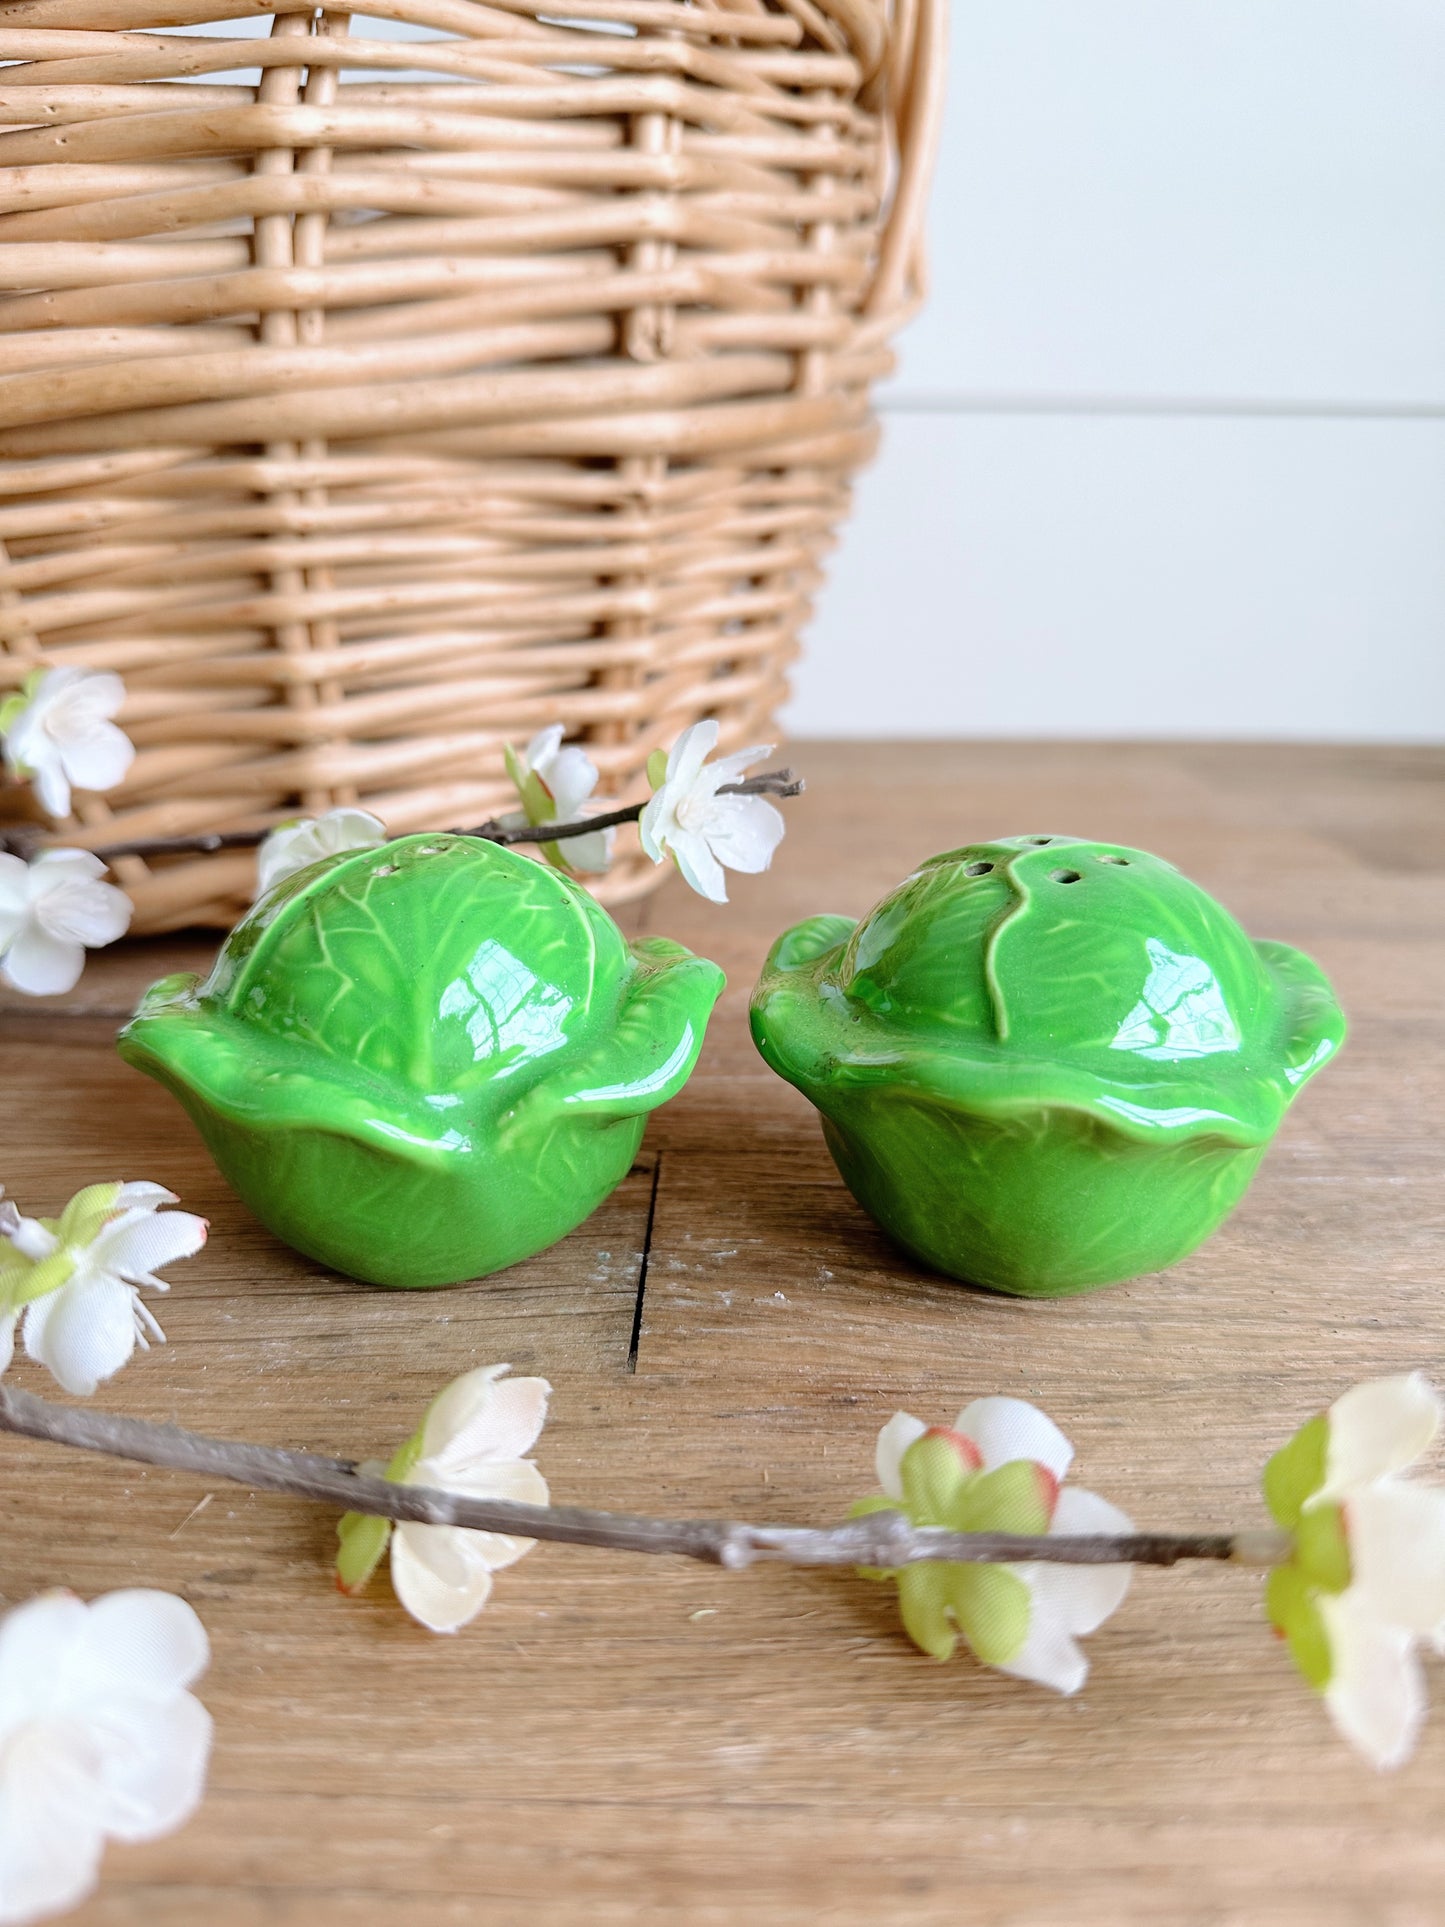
x=58, y=733
x=555, y=782
x=703, y=831
x=51, y=912
x=999, y=1468
x=296, y=846
x=75, y=1279
x=472, y=1440
x=99, y=1737
x=1366, y=1580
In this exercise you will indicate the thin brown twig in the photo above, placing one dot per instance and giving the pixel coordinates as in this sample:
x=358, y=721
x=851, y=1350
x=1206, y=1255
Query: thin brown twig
x=31, y=841
x=879, y=1539
x=773, y=782
x=28, y=841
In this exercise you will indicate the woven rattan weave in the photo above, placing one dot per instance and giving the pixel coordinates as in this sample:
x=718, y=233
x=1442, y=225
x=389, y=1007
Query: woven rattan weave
x=377, y=389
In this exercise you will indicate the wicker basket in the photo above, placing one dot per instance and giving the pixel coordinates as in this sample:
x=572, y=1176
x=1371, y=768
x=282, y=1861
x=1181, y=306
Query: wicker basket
x=367, y=405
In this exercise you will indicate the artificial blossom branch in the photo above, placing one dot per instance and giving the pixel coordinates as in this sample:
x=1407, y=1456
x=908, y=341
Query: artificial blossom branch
x=772, y=782
x=28, y=841
x=878, y=1539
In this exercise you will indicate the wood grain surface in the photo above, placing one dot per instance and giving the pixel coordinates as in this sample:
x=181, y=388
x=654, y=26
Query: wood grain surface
x=627, y=1740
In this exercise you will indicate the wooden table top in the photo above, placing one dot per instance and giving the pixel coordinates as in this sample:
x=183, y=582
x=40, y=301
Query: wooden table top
x=620, y=1739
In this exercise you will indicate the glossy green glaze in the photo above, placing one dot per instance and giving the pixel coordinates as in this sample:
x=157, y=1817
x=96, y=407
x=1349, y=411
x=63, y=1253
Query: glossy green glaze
x=1044, y=1064
x=423, y=1062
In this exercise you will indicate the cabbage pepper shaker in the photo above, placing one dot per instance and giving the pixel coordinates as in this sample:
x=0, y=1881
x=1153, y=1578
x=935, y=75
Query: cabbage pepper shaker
x=422, y=1062
x=1043, y=1063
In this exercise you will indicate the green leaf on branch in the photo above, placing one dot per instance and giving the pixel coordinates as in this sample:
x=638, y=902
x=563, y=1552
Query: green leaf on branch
x=992, y=1608
x=1297, y=1471
x=1322, y=1551
x=924, y=1594
x=1294, y=1612
x=1017, y=1497
x=935, y=1478
x=84, y=1218
x=22, y=1283
x=363, y=1541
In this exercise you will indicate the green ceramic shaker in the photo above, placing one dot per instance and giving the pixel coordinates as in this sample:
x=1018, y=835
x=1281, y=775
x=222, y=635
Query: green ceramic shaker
x=1044, y=1064
x=423, y=1062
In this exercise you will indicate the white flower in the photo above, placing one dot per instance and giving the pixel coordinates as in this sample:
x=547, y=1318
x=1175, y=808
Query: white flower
x=58, y=731
x=554, y=784
x=296, y=846
x=74, y=1279
x=99, y=1738
x=51, y=912
x=472, y=1440
x=1366, y=1581
x=700, y=830
x=1032, y=1631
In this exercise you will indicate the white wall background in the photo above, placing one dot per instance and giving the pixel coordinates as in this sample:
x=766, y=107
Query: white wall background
x=1166, y=453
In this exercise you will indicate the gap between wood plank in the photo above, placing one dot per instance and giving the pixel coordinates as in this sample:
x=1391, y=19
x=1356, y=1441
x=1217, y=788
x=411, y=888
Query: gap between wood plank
x=636, y=1339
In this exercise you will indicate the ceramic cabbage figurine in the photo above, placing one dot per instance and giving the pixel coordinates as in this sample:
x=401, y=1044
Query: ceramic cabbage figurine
x=1044, y=1064
x=422, y=1062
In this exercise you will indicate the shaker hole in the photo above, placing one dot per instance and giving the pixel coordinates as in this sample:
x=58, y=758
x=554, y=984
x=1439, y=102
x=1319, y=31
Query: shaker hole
x=977, y=869
x=1063, y=876
x=1122, y=861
